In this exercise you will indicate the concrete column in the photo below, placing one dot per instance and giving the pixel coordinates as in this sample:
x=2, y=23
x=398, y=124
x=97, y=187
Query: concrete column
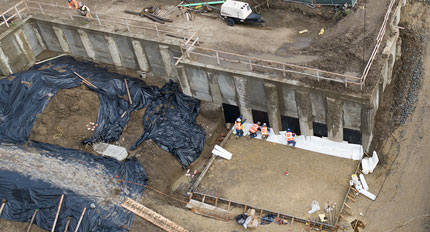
x=62, y=39
x=4, y=64
x=272, y=98
x=367, y=123
x=183, y=81
x=304, y=110
x=39, y=38
x=334, y=119
x=87, y=44
x=241, y=84
x=23, y=44
x=168, y=62
x=214, y=89
x=114, y=52
x=140, y=55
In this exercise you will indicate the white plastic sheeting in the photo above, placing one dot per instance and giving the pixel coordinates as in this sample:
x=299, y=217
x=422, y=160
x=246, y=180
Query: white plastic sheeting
x=315, y=144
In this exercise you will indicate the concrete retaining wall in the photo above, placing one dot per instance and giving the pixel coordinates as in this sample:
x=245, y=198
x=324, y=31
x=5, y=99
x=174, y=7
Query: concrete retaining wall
x=208, y=82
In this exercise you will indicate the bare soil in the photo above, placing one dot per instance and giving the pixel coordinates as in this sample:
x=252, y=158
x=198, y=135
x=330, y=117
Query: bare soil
x=256, y=176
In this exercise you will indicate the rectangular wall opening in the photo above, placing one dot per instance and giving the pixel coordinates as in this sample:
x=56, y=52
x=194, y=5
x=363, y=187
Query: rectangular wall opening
x=352, y=136
x=320, y=129
x=260, y=116
x=292, y=123
x=231, y=113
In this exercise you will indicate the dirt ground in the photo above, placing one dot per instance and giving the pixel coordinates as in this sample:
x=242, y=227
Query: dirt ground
x=256, y=176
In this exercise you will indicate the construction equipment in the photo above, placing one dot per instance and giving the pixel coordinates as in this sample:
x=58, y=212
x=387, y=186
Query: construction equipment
x=234, y=11
x=151, y=13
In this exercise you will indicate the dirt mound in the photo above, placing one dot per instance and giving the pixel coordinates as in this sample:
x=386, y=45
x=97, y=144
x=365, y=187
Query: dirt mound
x=64, y=121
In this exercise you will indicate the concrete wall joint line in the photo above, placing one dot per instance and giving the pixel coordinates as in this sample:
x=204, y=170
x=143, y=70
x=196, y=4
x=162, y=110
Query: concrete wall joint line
x=61, y=39
x=114, y=52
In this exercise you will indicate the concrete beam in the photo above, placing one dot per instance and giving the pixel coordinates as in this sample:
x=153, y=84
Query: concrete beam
x=114, y=52
x=367, y=124
x=61, y=39
x=140, y=55
x=214, y=89
x=168, y=62
x=87, y=44
x=272, y=98
x=183, y=81
x=25, y=47
x=4, y=64
x=304, y=110
x=241, y=84
x=334, y=119
x=39, y=38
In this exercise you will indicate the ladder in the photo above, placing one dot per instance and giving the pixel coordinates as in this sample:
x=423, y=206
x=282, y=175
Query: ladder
x=151, y=216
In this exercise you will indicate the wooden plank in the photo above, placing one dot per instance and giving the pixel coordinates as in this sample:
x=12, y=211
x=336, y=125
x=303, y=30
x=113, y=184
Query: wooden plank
x=58, y=212
x=80, y=219
x=3, y=203
x=151, y=216
x=32, y=220
x=128, y=91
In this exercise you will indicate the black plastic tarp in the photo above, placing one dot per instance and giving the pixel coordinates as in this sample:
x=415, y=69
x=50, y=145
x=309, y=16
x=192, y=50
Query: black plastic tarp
x=169, y=119
x=24, y=194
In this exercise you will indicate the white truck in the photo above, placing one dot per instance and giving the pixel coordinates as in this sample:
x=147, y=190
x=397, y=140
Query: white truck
x=234, y=11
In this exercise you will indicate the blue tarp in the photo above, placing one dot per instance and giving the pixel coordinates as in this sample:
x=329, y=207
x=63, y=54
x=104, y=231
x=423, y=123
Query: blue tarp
x=169, y=120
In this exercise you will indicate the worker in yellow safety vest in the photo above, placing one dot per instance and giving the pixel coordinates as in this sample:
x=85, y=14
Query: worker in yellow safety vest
x=84, y=10
x=290, y=137
x=253, y=130
x=239, y=127
x=264, y=131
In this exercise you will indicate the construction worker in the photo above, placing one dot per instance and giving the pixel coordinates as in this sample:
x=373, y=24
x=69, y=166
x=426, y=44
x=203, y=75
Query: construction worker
x=73, y=3
x=239, y=127
x=253, y=130
x=290, y=137
x=264, y=131
x=84, y=10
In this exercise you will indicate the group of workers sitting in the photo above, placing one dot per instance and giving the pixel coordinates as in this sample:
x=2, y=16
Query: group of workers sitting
x=80, y=7
x=263, y=129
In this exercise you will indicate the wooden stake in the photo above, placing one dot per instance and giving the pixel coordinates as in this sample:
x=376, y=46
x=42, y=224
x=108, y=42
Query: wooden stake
x=67, y=224
x=128, y=91
x=216, y=201
x=3, y=203
x=80, y=219
x=229, y=204
x=340, y=215
x=32, y=220
x=87, y=82
x=58, y=212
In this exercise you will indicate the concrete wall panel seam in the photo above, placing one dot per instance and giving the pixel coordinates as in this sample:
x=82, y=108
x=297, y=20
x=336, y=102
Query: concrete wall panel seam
x=62, y=39
x=114, y=52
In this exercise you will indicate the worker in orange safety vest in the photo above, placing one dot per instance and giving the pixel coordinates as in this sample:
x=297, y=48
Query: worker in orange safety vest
x=253, y=130
x=264, y=131
x=290, y=137
x=73, y=3
x=238, y=125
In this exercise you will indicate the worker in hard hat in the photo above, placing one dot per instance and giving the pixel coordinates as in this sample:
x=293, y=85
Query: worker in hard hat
x=73, y=4
x=253, y=130
x=239, y=127
x=290, y=137
x=84, y=10
x=264, y=131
